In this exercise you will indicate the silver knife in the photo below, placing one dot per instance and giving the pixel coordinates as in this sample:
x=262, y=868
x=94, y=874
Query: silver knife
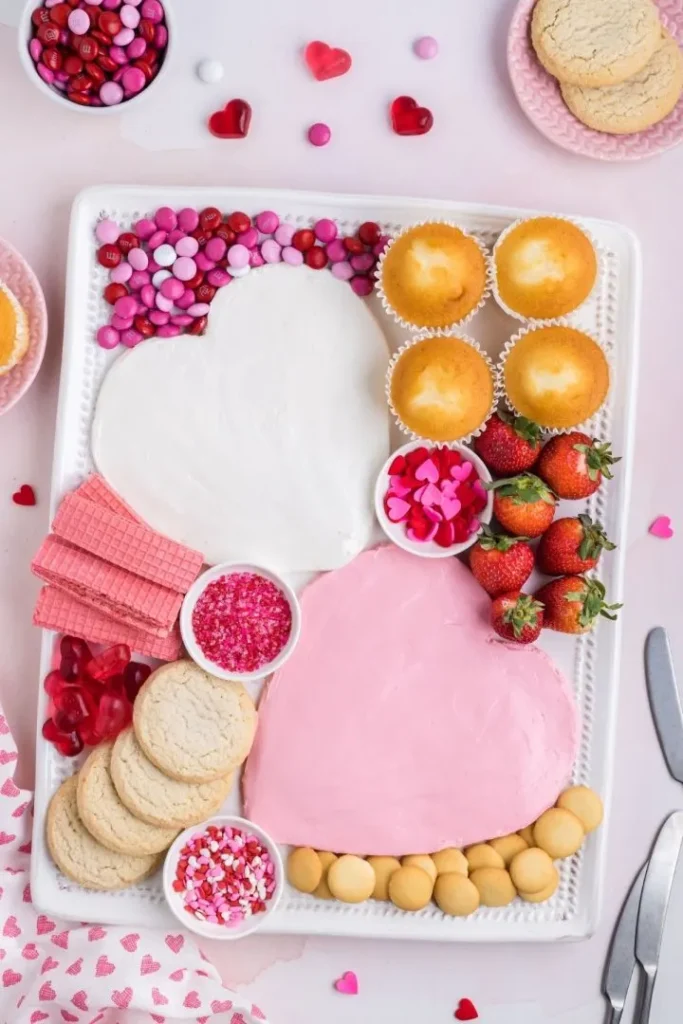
x=622, y=955
x=664, y=699
x=654, y=903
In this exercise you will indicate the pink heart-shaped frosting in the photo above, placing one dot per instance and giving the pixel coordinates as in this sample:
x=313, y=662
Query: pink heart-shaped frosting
x=662, y=528
x=461, y=472
x=427, y=471
x=397, y=509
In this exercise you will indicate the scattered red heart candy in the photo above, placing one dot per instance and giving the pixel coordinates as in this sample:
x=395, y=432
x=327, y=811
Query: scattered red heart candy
x=466, y=1010
x=409, y=119
x=24, y=496
x=232, y=122
x=326, y=61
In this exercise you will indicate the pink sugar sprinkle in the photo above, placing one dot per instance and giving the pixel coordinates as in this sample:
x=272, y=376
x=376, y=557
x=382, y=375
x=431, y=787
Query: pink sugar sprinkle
x=241, y=622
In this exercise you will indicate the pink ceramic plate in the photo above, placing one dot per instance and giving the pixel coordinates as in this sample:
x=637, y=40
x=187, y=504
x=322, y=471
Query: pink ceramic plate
x=539, y=97
x=20, y=279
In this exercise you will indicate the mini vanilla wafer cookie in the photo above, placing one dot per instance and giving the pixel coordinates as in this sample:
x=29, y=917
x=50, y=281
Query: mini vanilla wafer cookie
x=80, y=857
x=153, y=797
x=106, y=818
x=191, y=725
x=636, y=104
x=594, y=42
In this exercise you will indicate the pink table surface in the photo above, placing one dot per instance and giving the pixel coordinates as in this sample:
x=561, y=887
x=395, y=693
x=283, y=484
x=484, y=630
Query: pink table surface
x=481, y=149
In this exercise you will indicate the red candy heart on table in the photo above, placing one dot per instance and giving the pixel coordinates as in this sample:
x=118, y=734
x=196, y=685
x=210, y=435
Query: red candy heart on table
x=232, y=122
x=466, y=1010
x=409, y=119
x=24, y=496
x=326, y=61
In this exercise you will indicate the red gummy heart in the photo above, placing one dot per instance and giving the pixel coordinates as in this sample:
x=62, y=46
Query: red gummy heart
x=232, y=122
x=397, y=466
x=466, y=1010
x=409, y=119
x=24, y=496
x=325, y=61
x=417, y=457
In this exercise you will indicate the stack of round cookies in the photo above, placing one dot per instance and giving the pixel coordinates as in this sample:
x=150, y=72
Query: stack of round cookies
x=108, y=826
x=619, y=70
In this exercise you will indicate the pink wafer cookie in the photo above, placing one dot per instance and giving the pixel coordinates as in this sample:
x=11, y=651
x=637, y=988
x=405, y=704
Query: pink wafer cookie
x=64, y=614
x=116, y=591
x=95, y=488
x=127, y=544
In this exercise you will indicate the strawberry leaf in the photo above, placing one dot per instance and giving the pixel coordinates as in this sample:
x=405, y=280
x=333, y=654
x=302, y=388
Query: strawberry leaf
x=599, y=459
x=594, y=539
x=525, y=489
x=490, y=541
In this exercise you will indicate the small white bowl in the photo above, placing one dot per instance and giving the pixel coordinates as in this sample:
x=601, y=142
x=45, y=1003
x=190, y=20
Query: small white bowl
x=206, y=928
x=396, y=532
x=195, y=592
x=24, y=36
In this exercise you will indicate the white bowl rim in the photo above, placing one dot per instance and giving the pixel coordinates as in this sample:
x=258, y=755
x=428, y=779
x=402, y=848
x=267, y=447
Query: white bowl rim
x=205, y=928
x=24, y=37
x=392, y=530
x=193, y=595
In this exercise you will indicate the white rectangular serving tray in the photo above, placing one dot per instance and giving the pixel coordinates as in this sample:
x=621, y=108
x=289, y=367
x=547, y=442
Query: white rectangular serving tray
x=590, y=662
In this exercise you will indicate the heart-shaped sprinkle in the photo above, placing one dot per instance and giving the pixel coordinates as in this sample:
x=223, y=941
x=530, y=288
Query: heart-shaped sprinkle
x=407, y=118
x=431, y=495
x=232, y=122
x=462, y=472
x=397, y=487
x=662, y=528
x=24, y=496
x=326, y=61
x=450, y=507
x=432, y=514
x=466, y=1010
x=427, y=472
x=398, y=466
x=397, y=509
x=420, y=536
x=347, y=984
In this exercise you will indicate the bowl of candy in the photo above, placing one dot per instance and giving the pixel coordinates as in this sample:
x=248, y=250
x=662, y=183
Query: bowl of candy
x=224, y=878
x=91, y=694
x=96, y=55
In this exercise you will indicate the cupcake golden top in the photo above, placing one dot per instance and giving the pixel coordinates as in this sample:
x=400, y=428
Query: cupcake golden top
x=442, y=388
x=556, y=376
x=14, y=337
x=433, y=275
x=545, y=268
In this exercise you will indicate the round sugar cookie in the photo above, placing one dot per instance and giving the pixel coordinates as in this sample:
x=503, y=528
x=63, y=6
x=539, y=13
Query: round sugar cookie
x=532, y=871
x=594, y=42
x=494, y=886
x=384, y=868
x=456, y=895
x=351, y=879
x=544, y=894
x=481, y=855
x=155, y=798
x=80, y=857
x=410, y=888
x=106, y=818
x=527, y=835
x=421, y=860
x=449, y=860
x=559, y=833
x=304, y=869
x=585, y=804
x=508, y=846
x=191, y=725
x=636, y=104
x=322, y=889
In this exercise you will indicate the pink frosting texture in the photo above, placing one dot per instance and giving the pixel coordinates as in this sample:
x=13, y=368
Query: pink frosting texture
x=401, y=723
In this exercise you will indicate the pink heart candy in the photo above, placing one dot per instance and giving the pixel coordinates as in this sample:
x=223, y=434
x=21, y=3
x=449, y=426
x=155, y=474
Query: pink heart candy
x=450, y=507
x=462, y=471
x=479, y=489
x=427, y=471
x=347, y=984
x=449, y=488
x=397, y=488
x=662, y=528
x=397, y=509
x=432, y=514
x=431, y=495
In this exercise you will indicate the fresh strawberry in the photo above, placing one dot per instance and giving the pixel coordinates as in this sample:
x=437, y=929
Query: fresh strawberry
x=572, y=546
x=523, y=505
x=516, y=616
x=573, y=603
x=509, y=444
x=501, y=563
x=574, y=464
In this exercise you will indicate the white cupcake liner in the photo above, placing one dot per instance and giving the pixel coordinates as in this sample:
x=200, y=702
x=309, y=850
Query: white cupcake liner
x=442, y=332
x=406, y=324
x=507, y=349
x=600, y=260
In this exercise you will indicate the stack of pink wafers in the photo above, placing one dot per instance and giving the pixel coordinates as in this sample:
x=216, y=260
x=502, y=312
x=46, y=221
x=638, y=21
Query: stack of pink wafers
x=111, y=578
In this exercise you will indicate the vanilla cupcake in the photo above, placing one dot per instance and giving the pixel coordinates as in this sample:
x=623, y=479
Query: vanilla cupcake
x=555, y=375
x=433, y=275
x=14, y=333
x=544, y=268
x=441, y=387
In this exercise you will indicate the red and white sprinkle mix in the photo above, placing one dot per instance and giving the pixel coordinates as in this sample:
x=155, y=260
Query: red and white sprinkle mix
x=242, y=621
x=225, y=875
